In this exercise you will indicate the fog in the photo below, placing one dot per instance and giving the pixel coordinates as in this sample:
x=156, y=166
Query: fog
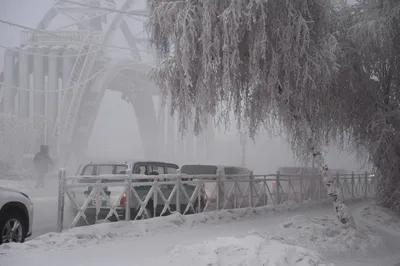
x=116, y=134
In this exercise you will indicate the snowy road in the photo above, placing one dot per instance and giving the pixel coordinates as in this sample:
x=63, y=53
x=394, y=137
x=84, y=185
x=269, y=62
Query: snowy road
x=44, y=201
x=158, y=241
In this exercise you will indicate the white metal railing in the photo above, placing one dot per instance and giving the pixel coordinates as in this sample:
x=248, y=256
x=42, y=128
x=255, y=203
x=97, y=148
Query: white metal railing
x=147, y=196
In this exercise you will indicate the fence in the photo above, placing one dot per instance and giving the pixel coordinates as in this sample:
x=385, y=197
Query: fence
x=132, y=196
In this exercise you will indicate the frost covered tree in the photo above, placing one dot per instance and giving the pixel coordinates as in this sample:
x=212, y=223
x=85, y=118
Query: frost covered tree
x=369, y=80
x=271, y=62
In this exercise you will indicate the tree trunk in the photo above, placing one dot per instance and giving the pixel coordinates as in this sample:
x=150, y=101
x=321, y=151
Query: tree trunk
x=303, y=125
x=334, y=192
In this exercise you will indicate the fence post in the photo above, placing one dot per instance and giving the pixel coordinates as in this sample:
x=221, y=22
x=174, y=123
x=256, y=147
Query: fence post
x=128, y=197
x=155, y=196
x=178, y=191
x=251, y=184
x=278, y=198
x=218, y=188
x=264, y=191
x=61, y=199
x=352, y=184
x=235, y=195
x=366, y=185
x=199, y=194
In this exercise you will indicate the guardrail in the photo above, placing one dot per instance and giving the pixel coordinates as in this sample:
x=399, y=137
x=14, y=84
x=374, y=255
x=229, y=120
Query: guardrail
x=132, y=196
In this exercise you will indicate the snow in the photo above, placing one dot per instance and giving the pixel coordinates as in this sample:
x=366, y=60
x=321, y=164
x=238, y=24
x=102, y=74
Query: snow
x=325, y=235
x=249, y=250
x=291, y=234
x=384, y=218
x=210, y=242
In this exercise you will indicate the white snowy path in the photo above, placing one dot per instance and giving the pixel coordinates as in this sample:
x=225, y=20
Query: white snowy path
x=195, y=240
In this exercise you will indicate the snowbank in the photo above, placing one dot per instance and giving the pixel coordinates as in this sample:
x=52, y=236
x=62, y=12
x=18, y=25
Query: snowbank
x=101, y=233
x=383, y=218
x=97, y=234
x=202, y=240
x=249, y=250
x=326, y=235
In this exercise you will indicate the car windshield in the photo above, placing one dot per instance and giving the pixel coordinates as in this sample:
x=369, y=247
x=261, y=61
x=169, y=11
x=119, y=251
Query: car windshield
x=199, y=169
x=103, y=169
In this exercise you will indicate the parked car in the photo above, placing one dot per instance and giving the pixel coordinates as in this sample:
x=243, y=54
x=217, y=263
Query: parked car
x=228, y=173
x=16, y=215
x=113, y=192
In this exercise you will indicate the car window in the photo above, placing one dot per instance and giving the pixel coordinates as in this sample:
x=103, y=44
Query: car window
x=88, y=170
x=111, y=169
x=105, y=169
x=141, y=170
x=171, y=170
x=161, y=170
x=120, y=169
x=199, y=169
x=156, y=169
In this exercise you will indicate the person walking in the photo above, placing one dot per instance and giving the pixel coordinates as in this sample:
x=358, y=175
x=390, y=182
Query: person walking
x=41, y=162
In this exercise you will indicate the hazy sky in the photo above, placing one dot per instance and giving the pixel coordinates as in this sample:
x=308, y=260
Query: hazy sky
x=114, y=136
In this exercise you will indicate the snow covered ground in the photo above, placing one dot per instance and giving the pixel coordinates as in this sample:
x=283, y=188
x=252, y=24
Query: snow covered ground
x=285, y=235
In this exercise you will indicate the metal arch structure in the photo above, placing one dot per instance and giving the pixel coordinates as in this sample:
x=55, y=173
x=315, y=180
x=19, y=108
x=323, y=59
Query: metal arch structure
x=59, y=76
x=139, y=96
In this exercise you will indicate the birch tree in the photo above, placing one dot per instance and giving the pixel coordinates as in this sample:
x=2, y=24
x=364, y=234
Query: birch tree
x=264, y=60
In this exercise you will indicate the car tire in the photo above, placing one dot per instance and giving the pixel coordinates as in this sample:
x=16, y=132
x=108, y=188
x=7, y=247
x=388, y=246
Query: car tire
x=7, y=222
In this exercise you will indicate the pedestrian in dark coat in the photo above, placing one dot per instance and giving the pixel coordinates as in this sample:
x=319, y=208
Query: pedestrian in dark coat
x=42, y=161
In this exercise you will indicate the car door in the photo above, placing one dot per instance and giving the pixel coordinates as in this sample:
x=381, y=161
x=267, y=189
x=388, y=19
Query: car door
x=141, y=168
x=157, y=168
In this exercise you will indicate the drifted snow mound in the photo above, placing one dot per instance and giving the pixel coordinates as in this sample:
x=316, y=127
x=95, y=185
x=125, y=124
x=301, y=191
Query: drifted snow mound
x=105, y=232
x=100, y=233
x=326, y=235
x=249, y=250
x=381, y=217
